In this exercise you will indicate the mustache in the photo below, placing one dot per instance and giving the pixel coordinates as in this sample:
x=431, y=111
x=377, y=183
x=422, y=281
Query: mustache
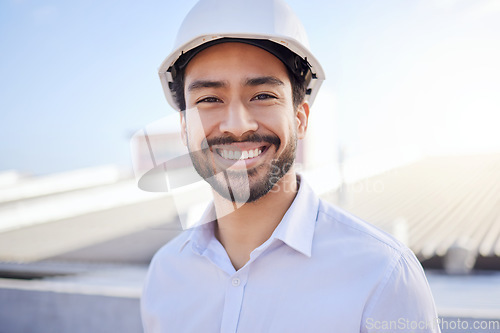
x=254, y=137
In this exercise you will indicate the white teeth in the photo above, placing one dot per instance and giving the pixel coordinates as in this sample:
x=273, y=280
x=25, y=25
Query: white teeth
x=239, y=155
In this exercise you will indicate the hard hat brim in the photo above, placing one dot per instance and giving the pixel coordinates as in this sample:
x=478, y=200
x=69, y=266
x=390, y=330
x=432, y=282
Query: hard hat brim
x=317, y=72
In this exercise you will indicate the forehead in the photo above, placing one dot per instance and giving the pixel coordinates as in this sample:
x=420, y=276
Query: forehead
x=236, y=59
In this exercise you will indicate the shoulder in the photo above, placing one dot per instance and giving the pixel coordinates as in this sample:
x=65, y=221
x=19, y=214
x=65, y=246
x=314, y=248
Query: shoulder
x=165, y=261
x=395, y=271
x=173, y=249
x=345, y=224
x=355, y=242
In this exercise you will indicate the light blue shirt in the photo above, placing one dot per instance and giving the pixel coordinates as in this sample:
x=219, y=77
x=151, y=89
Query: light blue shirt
x=322, y=270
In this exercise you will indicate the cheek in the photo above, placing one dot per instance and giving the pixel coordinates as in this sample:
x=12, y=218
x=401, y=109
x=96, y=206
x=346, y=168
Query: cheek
x=282, y=125
x=198, y=126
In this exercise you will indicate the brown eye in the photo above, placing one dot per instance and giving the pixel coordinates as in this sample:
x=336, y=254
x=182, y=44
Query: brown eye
x=262, y=97
x=209, y=100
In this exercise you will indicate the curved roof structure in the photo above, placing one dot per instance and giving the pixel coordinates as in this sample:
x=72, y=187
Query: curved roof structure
x=433, y=204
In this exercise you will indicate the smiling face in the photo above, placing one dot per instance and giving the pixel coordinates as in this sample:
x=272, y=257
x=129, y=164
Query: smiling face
x=240, y=125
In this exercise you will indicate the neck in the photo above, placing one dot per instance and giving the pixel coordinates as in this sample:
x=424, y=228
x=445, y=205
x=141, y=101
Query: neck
x=247, y=227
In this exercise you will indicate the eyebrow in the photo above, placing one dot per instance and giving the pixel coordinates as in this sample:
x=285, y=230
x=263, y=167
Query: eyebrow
x=268, y=80
x=256, y=81
x=199, y=84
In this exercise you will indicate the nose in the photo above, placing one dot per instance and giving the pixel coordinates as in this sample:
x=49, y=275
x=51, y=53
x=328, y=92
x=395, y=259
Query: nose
x=238, y=120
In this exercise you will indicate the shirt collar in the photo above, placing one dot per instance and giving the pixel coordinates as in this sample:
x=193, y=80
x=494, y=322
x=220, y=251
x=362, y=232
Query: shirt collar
x=296, y=229
x=201, y=235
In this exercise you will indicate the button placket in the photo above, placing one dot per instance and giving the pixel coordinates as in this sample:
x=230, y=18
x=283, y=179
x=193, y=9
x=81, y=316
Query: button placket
x=235, y=291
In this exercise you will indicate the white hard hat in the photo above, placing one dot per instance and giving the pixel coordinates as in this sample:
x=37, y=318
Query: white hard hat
x=269, y=24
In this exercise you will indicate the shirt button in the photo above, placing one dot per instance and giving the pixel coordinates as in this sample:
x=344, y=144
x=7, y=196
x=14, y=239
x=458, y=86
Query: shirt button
x=236, y=282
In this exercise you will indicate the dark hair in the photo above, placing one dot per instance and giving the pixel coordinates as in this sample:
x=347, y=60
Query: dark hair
x=297, y=83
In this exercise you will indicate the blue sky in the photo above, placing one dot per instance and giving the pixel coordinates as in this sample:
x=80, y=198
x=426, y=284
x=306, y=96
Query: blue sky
x=79, y=77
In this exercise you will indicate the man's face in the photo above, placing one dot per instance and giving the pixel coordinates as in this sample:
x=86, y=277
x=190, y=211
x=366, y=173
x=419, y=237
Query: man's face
x=240, y=126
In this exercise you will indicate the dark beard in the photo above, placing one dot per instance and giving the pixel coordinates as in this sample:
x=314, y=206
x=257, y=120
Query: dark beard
x=234, y=185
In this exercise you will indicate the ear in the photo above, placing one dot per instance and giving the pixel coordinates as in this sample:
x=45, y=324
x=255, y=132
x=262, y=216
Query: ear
x=302, y=118
x=183, y=127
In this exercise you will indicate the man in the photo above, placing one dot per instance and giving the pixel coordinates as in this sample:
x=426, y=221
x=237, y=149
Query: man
x=273, y=256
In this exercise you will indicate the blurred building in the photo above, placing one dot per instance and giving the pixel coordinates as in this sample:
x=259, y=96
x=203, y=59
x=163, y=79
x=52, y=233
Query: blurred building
x=439, y=206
